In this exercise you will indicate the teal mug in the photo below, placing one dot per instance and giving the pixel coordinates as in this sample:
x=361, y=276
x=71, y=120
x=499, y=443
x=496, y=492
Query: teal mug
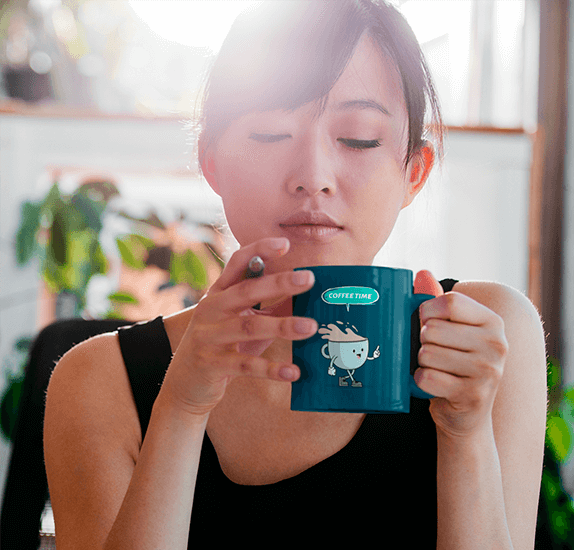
x=359, y=360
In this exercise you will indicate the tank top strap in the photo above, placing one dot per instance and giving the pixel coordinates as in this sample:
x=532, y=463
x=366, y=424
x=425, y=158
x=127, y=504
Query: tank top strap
x=147, y=353
x=447, y=286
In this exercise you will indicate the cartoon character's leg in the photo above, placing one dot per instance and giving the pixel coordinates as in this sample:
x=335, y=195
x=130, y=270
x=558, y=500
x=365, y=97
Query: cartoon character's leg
x=354, y=384
x=343, y=380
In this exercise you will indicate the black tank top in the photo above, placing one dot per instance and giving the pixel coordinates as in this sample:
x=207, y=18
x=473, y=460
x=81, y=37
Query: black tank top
x=381, y=485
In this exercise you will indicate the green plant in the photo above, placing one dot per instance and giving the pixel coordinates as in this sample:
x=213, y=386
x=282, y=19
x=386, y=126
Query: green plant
x=63, y=230
x=557, y=507
x=11, y=398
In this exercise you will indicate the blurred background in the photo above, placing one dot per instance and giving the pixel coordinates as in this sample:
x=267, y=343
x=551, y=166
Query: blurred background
x=103, y=214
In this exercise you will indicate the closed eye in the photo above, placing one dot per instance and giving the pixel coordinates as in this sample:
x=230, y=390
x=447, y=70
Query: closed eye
x=269, y=138
x=360, y=144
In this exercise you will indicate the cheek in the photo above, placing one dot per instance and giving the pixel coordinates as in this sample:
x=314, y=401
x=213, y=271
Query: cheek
x=378, y=206
x=255, y=173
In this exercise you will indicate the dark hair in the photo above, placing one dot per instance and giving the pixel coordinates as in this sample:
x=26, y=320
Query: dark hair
x=285, y=54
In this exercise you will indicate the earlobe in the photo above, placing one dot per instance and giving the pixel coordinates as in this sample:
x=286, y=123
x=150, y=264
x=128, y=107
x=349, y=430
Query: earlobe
x=418, y=172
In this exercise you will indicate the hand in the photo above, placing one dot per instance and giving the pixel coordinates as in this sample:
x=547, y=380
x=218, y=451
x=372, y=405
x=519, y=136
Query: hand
x=225, y=336
x=462, y=355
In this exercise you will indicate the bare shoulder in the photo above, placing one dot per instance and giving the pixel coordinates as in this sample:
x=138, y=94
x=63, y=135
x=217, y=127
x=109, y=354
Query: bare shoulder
x=91, y=379
x=504, y=300
x=91, y=440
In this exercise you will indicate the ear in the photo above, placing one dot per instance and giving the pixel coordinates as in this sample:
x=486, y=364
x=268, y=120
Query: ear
x=418, y=171
x=207, y=163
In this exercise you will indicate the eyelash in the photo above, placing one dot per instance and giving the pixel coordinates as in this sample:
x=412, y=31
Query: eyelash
x=360, y=144
x=356, y=144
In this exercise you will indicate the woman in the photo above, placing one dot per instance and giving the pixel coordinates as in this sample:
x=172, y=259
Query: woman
x=312, y=134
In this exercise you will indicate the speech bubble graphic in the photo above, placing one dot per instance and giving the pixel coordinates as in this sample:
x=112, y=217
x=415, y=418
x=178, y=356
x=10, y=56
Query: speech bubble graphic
x=350, y=295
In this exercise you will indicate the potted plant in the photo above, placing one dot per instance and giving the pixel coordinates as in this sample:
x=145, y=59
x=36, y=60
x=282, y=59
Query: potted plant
x=63, y=230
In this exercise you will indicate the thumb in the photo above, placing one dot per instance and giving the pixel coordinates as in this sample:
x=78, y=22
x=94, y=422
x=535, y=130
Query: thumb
x=425, y=283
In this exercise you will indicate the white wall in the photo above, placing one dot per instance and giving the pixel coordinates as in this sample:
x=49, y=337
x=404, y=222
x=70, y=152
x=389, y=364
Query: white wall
x=471, y=220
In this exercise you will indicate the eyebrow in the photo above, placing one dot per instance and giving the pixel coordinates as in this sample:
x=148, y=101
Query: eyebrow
x=360, y=104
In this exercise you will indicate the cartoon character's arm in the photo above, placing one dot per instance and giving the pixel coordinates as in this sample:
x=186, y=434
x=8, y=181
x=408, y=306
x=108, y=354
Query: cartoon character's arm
x=376, y=354
x=332, y=370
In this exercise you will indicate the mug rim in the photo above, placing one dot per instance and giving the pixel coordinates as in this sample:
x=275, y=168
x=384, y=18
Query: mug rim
x=353, y=266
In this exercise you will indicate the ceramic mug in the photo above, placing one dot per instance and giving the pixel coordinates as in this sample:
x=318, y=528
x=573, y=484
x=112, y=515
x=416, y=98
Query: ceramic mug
x=359, y=360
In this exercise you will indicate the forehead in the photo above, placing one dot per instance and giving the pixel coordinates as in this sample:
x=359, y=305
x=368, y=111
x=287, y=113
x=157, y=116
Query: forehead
x=370, y=76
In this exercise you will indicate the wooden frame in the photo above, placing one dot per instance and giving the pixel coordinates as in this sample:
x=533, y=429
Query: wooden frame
x=547, y=175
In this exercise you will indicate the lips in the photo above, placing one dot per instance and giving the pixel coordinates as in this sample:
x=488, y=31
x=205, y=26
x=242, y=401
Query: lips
x=310, y=218
x=311, y=226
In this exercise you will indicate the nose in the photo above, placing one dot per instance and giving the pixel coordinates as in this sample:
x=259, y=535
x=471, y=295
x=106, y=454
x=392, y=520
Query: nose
x=314, y=171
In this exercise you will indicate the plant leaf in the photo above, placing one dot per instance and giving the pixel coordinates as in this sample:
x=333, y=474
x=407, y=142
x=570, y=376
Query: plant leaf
x=91, y=211
x=99, y=262
x=553, y=373
x=188, y=268
x=559, y=437
x=9, y=406
x=146, y=242
x=122, y=297
x=26, y=235
x=58, y=238
x=131, y=252
x=135, y=250
x=112, y=314
x=53, y=199
x=23, y=345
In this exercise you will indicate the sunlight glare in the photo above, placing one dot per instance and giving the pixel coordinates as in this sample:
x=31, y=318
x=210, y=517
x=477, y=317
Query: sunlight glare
x=196, y=23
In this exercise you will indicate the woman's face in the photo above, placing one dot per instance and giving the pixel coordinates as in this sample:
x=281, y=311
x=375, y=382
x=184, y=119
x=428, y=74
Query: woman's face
x=332, y=182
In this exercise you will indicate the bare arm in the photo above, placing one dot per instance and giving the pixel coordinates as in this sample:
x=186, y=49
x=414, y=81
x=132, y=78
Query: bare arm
x=156, y=510
x=100, y=481
x=489, y=470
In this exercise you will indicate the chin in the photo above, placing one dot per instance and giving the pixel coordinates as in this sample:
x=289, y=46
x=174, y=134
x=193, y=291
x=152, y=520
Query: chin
x=311, y=256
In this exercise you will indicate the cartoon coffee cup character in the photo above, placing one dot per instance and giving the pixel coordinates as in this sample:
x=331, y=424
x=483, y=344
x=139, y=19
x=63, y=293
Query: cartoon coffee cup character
x=347, y=350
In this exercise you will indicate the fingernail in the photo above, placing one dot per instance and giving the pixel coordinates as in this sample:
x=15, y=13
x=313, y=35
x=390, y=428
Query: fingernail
x=303, y=326
x=301, y=277
x=278, y=244
x=287, y=373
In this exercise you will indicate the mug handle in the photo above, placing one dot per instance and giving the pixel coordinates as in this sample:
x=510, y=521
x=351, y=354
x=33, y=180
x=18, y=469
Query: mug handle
x=416, y=301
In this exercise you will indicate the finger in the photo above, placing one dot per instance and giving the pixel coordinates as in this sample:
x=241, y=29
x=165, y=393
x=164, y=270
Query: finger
x=247, y=293
x=457, y=307
x=260, y=327
x=439, y=383
x=238, y=364
x=450, y=335
x=447, y=360
x=425, y=283
x=236, y=267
